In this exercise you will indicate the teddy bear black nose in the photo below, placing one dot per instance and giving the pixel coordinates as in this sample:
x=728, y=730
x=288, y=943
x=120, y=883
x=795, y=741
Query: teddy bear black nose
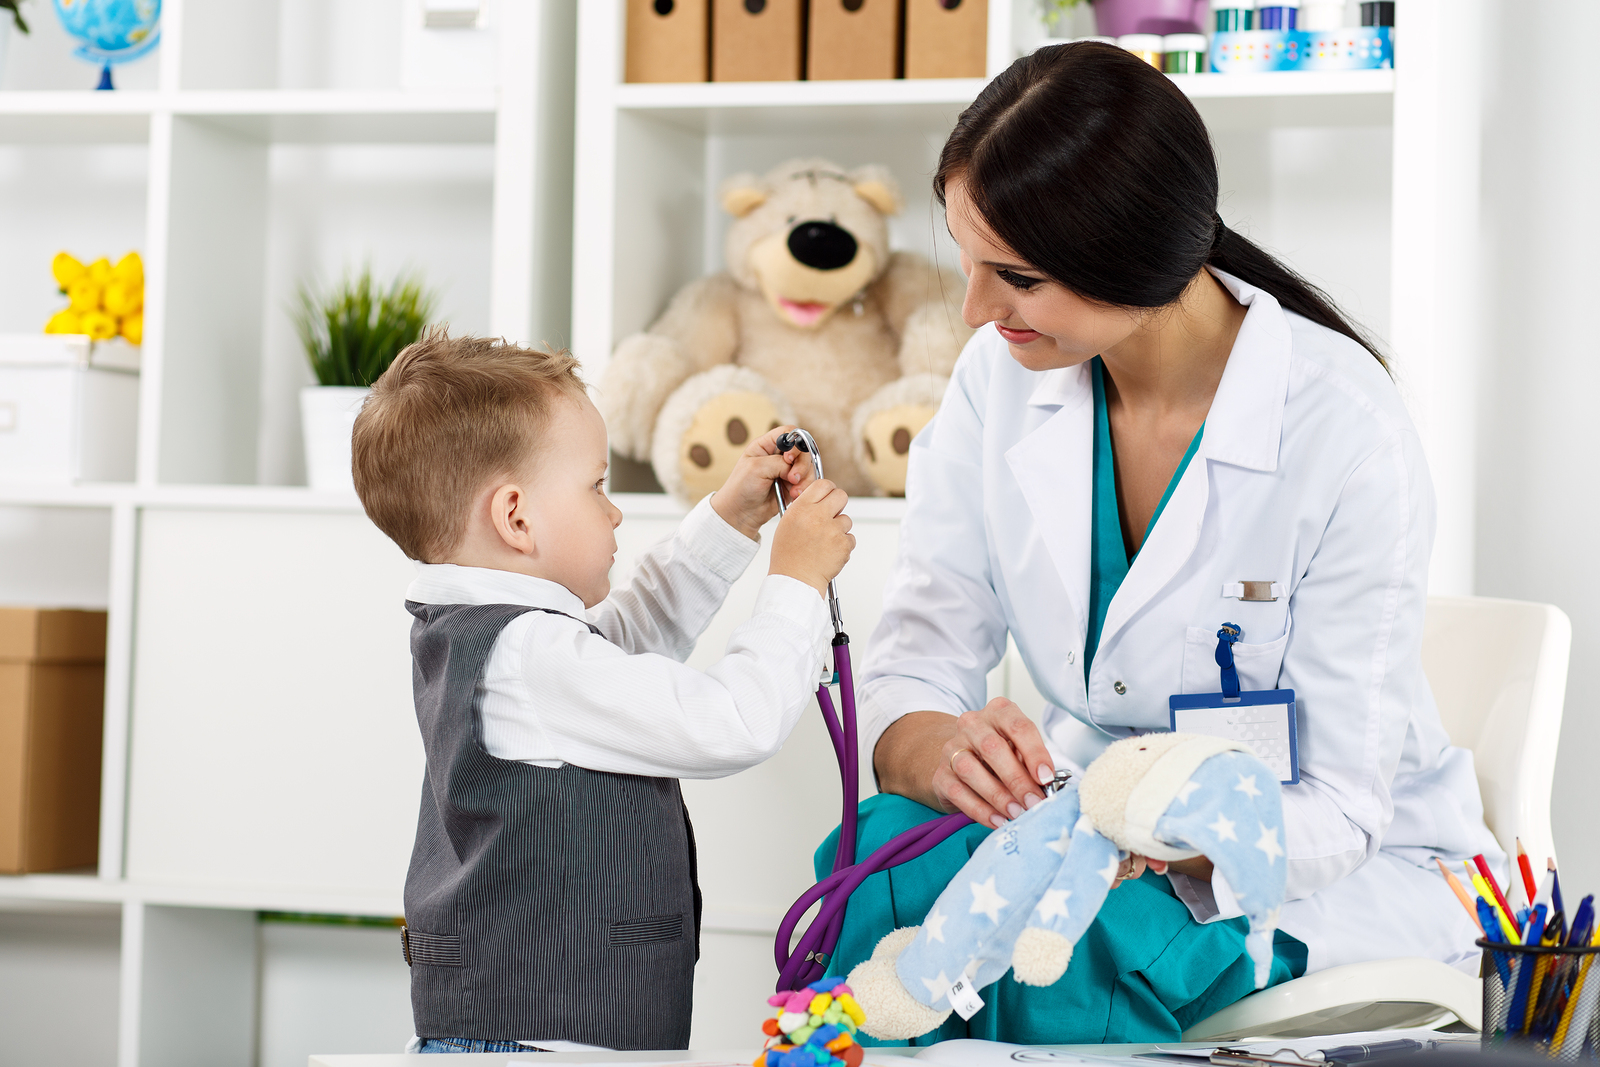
x=822, y=245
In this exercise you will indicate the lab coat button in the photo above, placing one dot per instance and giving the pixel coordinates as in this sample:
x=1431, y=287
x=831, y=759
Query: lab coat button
x=1072, y=657
x=1120, y=688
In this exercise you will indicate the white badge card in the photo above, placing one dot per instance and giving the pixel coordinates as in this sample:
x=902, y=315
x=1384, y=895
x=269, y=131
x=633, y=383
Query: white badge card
x=1262, y=720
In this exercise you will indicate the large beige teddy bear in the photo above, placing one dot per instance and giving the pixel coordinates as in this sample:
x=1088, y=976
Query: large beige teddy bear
x=814, y=322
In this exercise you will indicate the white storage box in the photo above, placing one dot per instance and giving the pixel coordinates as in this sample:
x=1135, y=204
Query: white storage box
x=69, y=410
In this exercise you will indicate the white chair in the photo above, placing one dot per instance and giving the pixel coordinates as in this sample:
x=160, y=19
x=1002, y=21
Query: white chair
x=1498, y=669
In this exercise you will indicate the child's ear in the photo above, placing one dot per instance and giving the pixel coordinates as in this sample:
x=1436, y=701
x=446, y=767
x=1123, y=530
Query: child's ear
x=508, y=511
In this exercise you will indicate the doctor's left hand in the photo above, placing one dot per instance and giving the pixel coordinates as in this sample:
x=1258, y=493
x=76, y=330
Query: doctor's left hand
x=745, y=500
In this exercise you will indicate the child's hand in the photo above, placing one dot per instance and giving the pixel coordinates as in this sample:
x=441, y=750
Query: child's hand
x=745, y=500
x=813, y=542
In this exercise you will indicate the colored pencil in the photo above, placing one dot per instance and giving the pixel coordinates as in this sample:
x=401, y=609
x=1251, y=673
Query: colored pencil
x=1488, y=877
x=1511, y=929
x=1491, y=932
x=1526, y=868
x=1461, y=894
x=1555, y=887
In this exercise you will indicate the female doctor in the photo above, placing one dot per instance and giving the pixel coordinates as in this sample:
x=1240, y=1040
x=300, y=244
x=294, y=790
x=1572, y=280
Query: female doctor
x=1158, y=429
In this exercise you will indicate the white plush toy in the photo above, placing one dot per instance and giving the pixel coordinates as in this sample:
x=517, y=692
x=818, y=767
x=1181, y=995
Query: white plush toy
x=815, y=321
x=1033, y=887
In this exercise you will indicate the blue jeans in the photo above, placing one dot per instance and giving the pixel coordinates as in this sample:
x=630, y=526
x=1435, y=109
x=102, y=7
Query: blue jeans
x=462, y=1044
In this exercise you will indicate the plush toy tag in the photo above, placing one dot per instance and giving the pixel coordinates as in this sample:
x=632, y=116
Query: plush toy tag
x=963, y=998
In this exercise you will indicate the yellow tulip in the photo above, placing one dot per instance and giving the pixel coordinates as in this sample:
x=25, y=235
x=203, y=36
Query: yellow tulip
x=98, y=325
x=133, y=328
x=63, y=321
x=66, y=269
x=122, y=298
x=130, y=269
x=85, y=295
x=100, y=271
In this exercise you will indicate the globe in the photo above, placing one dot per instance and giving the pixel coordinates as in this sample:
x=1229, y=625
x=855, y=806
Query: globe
x=111, y=31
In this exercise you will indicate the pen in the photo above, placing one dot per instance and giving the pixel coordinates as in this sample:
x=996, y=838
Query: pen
x=1461, y=894
x=1517, y=1016
x=1491, y=932
x=1581, y=1011
x=1358, y=1053
x=1555, y=887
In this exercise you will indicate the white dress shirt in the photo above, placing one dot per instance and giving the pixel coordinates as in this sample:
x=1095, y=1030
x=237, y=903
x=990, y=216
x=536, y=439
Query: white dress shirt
x=1310, y=475
x=552, y=692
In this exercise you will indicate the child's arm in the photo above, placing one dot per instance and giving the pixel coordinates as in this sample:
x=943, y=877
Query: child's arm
x=679, y=584
x=598, y=707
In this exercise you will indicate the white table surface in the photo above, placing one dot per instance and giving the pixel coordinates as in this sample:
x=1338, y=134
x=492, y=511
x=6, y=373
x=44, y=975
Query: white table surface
x=708, y=1057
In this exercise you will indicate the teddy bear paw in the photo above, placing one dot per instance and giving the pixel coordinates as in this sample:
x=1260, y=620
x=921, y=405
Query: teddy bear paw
x=886, y=440
x=1040, y=957
x=892, y=1013
x=718, y=435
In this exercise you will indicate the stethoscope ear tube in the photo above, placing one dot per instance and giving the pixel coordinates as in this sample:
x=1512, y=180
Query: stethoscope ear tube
x=808, y=960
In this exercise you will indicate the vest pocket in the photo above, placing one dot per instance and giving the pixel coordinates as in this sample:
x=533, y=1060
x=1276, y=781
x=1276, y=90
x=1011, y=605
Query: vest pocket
x=647, y=931
x=432, y=950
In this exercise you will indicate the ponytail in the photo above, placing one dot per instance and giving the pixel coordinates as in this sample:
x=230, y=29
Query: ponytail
x=1248, y=261
x=1096, y=169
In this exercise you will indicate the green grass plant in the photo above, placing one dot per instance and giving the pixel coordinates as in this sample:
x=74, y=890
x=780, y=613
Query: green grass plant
x=353, y=331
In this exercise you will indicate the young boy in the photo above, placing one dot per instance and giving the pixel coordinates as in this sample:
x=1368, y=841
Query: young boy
x=551, y=899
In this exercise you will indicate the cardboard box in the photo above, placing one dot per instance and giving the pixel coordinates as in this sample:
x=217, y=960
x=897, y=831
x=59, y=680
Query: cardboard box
x=947, y=38
x=52, y=702
x=853, y=39
x=668, y=41
x=69, y=410
x=757, y=40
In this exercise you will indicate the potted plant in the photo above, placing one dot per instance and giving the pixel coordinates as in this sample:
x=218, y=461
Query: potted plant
x=6, y=24
x=351, y=333
x=1113, y=18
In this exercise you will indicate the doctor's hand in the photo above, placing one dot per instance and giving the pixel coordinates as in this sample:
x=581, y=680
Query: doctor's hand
x=745, y=500
x=991, y=764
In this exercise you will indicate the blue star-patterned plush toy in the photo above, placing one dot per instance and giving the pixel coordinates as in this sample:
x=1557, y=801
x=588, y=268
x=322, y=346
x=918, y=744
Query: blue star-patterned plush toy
x=1033, y=887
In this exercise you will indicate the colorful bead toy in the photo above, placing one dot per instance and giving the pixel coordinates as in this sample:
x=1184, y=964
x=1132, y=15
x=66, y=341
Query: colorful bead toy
x=814, y=1027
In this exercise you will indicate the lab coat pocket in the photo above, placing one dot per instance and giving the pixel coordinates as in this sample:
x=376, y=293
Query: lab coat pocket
x=1258, y=665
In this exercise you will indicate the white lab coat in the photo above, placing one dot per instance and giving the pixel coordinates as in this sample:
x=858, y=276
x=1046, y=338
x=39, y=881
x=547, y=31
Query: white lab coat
x=1309, y=474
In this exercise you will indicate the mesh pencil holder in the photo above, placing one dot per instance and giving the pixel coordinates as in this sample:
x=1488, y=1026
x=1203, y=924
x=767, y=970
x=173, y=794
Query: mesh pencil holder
x=1541, y=999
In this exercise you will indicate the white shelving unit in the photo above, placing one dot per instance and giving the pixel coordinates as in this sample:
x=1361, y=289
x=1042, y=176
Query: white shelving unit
x=259, y=748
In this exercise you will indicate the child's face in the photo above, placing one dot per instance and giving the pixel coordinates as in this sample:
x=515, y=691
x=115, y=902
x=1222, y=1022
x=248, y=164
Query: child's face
x=572, y=521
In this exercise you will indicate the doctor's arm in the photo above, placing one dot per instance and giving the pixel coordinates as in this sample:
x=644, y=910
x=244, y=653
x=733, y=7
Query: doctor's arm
x=1354, y=660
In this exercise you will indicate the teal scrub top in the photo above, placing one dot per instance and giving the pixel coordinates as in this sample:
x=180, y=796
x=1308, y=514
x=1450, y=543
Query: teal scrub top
x=1108, y=552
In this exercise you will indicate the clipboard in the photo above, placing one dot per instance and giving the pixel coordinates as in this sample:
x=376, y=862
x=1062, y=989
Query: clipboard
x=1261, y=719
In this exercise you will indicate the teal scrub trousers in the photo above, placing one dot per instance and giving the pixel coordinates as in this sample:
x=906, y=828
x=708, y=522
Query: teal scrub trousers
x=1144, y=971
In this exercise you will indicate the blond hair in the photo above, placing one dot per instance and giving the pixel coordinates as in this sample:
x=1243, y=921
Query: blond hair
x=450, y=414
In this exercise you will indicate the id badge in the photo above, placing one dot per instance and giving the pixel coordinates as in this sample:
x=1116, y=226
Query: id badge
x=1262, y=720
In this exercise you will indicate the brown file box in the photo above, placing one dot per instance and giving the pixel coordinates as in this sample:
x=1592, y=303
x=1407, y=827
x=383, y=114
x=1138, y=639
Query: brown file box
x=756, y=40
x=947, y=38
x=853, y=39
x=52, y=700
x=668, y=41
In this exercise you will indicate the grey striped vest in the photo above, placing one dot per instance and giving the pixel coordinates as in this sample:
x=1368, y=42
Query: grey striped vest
x=541, y=903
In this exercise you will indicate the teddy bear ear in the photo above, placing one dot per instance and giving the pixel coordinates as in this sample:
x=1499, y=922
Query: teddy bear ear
x=877, y=187
x=742, y=194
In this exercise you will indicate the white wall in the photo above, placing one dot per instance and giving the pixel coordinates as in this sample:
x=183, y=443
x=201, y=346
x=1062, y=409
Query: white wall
x=1538, y=464
x=58, y=986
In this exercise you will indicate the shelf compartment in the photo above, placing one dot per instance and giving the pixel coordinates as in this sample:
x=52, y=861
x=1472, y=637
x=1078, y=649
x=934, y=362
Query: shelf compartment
x=345, y=117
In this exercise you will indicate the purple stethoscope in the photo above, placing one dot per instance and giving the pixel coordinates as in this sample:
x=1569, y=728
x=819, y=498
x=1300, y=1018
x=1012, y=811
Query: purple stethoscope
x=808, y=960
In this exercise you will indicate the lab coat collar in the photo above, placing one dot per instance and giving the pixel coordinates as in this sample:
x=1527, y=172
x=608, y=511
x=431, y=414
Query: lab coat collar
x=1244, y=427
x=447, y=583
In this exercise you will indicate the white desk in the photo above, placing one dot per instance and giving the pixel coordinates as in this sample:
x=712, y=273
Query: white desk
x=875, y=1057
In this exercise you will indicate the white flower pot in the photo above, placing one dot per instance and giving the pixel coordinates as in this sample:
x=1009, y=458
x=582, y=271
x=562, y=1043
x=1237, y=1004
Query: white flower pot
x=327, y=415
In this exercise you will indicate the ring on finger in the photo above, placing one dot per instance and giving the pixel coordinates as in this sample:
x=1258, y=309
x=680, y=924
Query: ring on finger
x=953, y=756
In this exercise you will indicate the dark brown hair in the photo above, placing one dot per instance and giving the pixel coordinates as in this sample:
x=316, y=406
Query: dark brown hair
x=1096, y=169
x=450, y=414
